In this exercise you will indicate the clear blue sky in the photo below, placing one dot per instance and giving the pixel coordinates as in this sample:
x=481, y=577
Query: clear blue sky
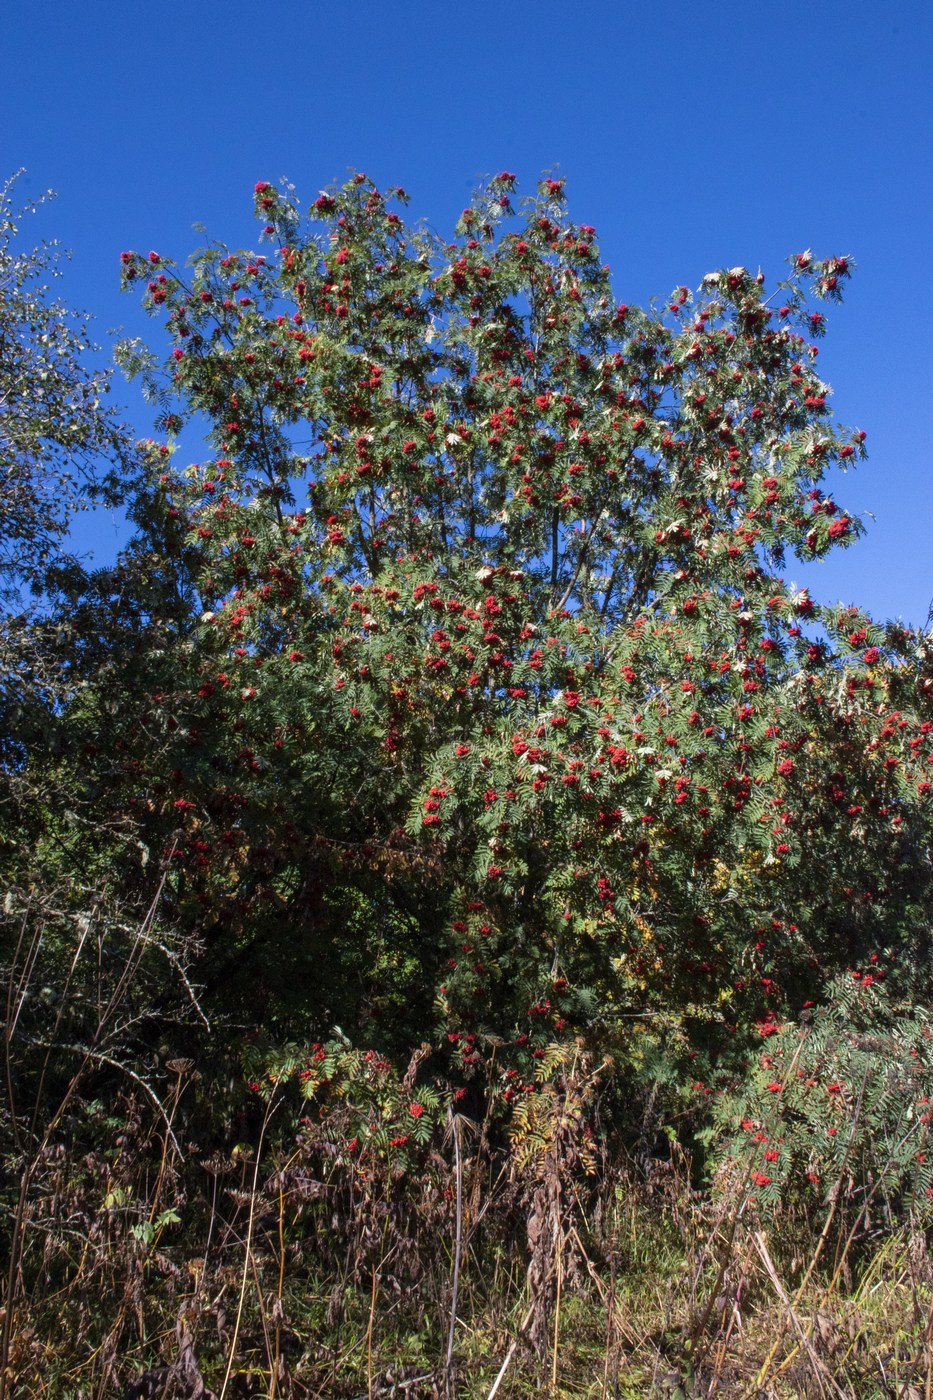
x=693, y=133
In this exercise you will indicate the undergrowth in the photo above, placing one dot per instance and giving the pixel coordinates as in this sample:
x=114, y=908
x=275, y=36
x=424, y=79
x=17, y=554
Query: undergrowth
x=310, y=1221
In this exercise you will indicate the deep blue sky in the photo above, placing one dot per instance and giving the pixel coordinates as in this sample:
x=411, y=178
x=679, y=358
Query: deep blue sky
x=694, y=134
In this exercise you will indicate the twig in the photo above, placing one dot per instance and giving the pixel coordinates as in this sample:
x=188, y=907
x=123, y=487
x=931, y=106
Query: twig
x=560, y=1276
x=458, y=1170
x=369, y=1339
x=513, y=1345
x=248, y=1253
x=147, y=1089
x=397, y=1386
x=779, y=1289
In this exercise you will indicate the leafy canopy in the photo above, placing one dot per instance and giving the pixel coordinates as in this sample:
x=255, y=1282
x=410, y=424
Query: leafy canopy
x=499, y=717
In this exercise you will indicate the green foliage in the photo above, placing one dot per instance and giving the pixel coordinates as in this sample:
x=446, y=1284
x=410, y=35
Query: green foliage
x=57, y=436
x=837, y=1103
x=355, y=1101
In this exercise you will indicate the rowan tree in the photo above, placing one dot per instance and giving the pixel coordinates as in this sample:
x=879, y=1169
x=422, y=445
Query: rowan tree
x=500, y=722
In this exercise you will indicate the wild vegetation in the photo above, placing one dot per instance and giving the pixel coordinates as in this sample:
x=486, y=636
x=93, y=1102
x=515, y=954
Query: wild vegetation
x=466, y=915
